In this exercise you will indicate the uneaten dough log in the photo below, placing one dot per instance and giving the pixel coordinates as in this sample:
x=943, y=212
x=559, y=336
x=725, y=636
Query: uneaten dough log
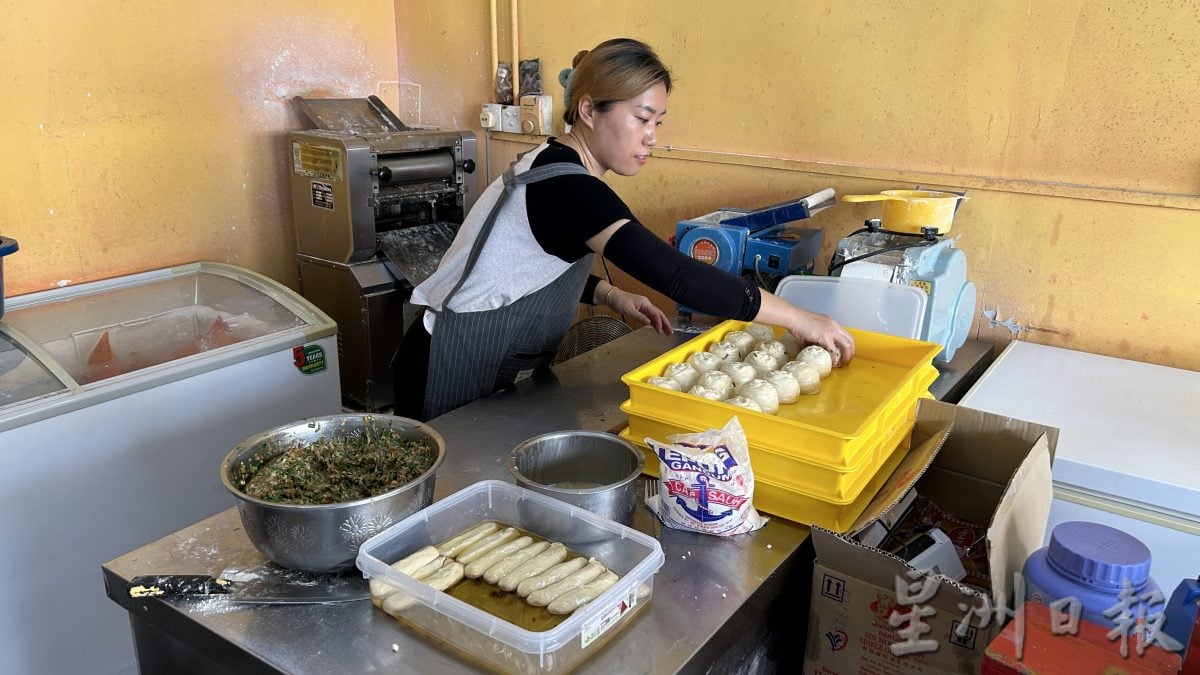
x=573, y=600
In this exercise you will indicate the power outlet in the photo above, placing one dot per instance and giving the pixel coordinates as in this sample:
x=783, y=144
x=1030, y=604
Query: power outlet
x=489, y=116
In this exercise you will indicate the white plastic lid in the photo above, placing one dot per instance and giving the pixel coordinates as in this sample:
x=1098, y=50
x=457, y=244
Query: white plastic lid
x=865, y=304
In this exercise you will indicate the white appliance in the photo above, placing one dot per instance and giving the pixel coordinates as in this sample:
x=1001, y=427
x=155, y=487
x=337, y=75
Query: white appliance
x=1129, y=449
x=118, y=400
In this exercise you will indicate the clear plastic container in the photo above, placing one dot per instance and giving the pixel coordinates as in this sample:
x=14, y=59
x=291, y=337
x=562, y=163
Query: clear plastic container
x=476, y=635
x=866, y=304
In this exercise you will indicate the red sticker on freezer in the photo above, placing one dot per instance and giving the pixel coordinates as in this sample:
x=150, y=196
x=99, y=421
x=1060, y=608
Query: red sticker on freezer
x=309, y=359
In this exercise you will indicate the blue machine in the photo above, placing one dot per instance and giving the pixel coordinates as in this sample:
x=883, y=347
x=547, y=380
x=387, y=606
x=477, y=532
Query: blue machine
x=928, y=261
x=759, y=243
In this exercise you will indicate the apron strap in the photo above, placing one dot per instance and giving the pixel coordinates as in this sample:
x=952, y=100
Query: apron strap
x=511, y=181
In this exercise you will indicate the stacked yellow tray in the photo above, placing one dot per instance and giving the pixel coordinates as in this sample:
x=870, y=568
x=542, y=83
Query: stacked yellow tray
x=818, y=460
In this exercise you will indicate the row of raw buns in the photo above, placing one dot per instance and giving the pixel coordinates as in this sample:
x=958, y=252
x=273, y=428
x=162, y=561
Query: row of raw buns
x=750, y=369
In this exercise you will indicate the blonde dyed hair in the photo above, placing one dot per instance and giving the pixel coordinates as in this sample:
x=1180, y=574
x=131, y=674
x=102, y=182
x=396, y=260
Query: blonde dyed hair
x=615, y=70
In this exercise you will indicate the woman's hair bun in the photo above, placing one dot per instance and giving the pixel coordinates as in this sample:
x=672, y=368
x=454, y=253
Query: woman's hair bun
x=578, y=57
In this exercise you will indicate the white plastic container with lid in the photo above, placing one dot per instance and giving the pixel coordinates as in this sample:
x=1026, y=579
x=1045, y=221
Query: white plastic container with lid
x=479, y=636
x=1092, y=563
x=866, y=304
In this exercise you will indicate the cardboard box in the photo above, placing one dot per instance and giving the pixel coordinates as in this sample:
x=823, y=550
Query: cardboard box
x=985, y=468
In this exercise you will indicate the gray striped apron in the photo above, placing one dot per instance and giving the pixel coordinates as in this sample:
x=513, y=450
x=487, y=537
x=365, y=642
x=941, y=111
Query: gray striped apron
x=473, y=354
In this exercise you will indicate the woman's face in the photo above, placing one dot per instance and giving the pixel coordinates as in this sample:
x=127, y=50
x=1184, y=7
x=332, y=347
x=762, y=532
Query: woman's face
x=623, y=135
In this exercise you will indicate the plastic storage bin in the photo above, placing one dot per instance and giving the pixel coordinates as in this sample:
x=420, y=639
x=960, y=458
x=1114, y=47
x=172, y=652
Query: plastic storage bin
x=830, y=428
x=865, y=304
x=786, y=501
x=818, y=460
x=478, y=636
x=779, y=464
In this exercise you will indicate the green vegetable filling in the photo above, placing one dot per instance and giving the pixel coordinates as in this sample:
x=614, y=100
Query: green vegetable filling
x=331, y=470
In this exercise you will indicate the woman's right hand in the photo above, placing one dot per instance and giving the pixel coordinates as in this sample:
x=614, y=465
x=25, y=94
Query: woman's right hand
x=823, y=330
x=808, y=326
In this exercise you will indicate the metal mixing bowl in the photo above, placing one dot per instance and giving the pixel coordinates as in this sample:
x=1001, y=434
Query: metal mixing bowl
x=590, y=469
x=326, y=537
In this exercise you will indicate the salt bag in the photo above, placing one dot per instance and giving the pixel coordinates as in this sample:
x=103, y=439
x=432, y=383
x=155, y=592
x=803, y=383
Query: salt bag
x=705, y=482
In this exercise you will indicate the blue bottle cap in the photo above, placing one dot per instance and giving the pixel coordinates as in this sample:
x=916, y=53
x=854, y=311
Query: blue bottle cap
x=1098, y=555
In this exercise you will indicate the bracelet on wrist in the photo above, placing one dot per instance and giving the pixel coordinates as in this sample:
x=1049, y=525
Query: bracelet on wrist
x=608, y=296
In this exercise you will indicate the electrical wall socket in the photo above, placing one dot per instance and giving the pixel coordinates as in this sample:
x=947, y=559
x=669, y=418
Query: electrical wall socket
x=510, y=118
x=489, y=116
x=536, y=115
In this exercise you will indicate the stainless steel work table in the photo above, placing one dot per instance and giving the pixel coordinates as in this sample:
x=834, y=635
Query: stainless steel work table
x=717, y=601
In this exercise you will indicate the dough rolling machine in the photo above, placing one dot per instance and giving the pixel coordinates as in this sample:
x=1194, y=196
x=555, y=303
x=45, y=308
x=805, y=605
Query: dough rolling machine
x=376, y=203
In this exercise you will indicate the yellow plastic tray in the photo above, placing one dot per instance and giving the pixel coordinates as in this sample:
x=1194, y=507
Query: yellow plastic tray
x=868, y=453
x=832, y=428
x=772, y=498
x=833, y=485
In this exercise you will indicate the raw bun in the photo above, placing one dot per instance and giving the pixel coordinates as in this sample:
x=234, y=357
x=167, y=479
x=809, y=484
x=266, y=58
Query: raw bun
x=763, y=393
x=774, y=348
x=743, y=402
x=684, y=374
x=742, y=340
x=665, y=383
x=726, y=350
x=785, y=384
x=717, y=381
x=704, y=362
x=818, y=358
x=807, y=376
x=739, y=372
x=705, y=392
x=761, y=362
x=760, y=331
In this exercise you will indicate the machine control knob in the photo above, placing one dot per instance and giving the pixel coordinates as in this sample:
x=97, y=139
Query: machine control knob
x=468, y=166
x=384, y=173
x=873, y=224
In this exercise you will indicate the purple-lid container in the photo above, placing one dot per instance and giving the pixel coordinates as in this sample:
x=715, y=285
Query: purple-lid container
x=1091, y=562
x=7, y=246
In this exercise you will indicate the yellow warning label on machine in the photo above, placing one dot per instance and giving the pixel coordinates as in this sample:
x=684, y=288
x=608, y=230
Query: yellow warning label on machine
x=922, y=284
x=316, y=161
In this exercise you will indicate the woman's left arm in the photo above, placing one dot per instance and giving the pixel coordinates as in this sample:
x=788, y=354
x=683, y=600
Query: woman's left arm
x=626, y=303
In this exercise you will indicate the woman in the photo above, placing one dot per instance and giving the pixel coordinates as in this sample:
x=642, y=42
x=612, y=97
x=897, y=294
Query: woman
x=506, y=290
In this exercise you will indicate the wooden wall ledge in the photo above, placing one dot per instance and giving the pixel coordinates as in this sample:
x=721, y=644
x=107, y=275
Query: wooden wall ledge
x=1169, y=200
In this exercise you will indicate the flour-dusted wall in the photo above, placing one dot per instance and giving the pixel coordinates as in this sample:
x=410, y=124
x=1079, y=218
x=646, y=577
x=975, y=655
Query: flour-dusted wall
x=1069, y=123
x=140, y=134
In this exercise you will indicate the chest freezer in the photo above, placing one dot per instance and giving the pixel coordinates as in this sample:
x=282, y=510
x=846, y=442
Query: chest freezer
x=118, y=400
x=1128, y=449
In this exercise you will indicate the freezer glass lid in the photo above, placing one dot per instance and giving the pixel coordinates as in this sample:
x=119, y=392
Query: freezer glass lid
x=21, y=376
x=119, y=328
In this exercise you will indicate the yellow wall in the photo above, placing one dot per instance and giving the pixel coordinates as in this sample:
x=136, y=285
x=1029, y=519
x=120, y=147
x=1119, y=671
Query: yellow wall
x=141, y=134
x=1071, y=124
x=144, y=134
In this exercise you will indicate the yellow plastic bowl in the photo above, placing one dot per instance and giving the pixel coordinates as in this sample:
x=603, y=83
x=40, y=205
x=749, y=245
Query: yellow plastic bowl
x=911, y=210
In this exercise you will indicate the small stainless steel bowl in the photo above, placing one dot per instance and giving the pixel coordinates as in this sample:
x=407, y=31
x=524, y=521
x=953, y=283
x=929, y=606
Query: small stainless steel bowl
x=326, y=537
x=590, y=469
